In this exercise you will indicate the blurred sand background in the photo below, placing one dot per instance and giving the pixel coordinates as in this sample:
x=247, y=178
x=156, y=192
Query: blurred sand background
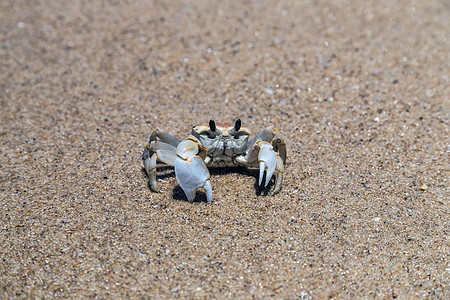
x=360, y=90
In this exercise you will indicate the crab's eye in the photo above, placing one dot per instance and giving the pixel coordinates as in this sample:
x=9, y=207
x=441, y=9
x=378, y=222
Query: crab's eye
x=212, y=125
x=237, y=125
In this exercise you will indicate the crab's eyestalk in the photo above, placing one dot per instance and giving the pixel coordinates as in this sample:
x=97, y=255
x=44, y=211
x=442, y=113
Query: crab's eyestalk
x=212, y=125
x=237, y=125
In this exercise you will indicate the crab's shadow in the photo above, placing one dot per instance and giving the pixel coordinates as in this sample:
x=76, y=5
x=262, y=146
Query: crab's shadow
x=178, y=193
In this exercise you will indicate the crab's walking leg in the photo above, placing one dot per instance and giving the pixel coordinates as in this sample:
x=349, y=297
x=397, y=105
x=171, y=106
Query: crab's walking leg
x=191, y=171
x=270, y=163
x=278, y=175
x=150, y=168
x=165, y=137
x=153, y=153
x=161, y=147
x=279, y=145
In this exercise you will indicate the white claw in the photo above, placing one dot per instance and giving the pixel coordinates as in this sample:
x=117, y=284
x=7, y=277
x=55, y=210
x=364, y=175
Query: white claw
x=191, y=172
x=262, y=167
x=267, y=162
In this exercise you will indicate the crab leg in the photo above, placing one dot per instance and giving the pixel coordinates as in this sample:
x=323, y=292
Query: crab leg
x=159, y=151
x=279, y=144
x=161, y=147
x=164, y=137
x=190, y=171
x=278, y=175
x=150, y=168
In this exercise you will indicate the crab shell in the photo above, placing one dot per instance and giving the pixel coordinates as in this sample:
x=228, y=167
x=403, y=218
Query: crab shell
x=222, y=140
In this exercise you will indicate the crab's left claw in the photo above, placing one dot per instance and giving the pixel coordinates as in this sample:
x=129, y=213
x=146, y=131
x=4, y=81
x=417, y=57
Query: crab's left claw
x=191, y=172
x=270, y=162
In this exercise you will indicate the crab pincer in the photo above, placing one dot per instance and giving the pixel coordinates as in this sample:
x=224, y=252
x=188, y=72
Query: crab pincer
x=191, y=171
x=270, y=163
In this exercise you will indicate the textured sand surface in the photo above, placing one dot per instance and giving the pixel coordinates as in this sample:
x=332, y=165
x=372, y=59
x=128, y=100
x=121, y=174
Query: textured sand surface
x=360, y=91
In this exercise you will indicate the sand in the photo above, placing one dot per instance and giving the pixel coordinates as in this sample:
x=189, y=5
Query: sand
x=359, y=90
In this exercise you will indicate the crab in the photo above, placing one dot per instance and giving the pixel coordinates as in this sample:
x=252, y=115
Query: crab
x=215, y=145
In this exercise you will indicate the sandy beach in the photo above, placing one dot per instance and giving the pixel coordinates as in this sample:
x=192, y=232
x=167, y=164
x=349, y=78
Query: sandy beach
x=359, y=90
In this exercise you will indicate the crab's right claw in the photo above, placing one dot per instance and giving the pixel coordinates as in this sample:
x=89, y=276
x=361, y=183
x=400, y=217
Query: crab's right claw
x=271, y=163
x=191, y=171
